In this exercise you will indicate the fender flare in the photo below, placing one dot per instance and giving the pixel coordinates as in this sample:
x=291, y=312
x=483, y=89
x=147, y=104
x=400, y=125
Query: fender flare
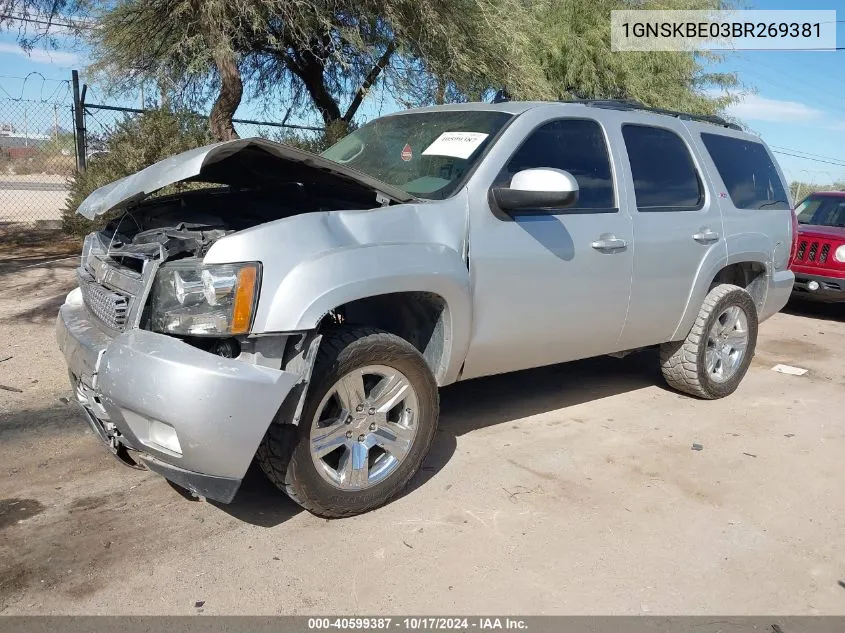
x=744, y=247
x=318, y=285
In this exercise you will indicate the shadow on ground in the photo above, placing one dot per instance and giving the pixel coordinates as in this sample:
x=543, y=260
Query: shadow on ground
x=477, y=404
x=259, y=502
x=465, y=407
x=41, y=282
x=57, y=419
x=816, y=310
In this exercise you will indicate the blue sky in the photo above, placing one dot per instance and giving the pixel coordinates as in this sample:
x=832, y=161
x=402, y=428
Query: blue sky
x=798, y=106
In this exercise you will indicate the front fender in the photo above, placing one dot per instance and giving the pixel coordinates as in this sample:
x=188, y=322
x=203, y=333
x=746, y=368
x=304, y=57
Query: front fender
x=317, y=285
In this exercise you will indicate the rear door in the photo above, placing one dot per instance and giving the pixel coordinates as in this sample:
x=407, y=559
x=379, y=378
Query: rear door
x=677, y=225
x=756, y=209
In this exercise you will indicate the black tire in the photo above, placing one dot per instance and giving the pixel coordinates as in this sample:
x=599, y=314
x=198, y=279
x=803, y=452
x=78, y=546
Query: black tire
x=284, y=454
x=683, y=362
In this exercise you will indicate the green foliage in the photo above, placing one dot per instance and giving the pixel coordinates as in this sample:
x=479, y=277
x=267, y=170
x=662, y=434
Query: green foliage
x=134, y=143
x=800, y=190
x=325, y=56
x=322, y=55
x=314, y=142
x=574, y=52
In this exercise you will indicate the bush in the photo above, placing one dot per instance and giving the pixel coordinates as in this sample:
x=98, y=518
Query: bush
x=136, y=142
x=315, y=142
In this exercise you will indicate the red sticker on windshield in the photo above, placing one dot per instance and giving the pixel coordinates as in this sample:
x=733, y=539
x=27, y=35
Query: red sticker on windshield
x=407, y=154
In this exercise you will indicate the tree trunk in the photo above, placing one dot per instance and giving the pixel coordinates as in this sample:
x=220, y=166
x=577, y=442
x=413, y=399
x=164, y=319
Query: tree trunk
x=231, y=85
x=231, y=91
x=311, y=70
x=369, y=80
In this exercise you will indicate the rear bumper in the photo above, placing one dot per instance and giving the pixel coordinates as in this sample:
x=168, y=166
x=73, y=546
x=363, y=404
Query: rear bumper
x=829, y=289
x=130, y=383
x=780, y=287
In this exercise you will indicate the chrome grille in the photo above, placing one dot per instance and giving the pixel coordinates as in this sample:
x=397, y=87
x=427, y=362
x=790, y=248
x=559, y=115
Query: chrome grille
x=110, y=307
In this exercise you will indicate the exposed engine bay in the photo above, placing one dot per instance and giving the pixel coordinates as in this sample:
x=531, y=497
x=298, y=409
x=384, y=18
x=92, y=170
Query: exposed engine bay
x=188, y=223
x=145, y=269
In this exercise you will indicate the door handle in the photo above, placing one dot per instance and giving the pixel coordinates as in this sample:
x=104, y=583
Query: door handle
x=610, y=243
x=707, y=236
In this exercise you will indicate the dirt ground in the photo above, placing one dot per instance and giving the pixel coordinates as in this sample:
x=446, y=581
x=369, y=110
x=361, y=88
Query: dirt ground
x=571, y=489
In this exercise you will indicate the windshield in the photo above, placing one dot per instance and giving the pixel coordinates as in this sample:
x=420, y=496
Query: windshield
x=427, y=154
x=822, y=211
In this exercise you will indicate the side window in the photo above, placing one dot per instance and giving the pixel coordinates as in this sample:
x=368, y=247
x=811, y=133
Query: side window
x=665, y=178
x=574, y=145
x=747, y=171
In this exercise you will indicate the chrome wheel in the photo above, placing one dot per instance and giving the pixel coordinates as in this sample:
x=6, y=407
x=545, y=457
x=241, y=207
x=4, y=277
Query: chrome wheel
x=727, y=342
x=364, y=427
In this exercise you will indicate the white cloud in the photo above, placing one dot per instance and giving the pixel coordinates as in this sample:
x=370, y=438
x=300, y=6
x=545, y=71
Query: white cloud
x=41, y=56
x=757, y=108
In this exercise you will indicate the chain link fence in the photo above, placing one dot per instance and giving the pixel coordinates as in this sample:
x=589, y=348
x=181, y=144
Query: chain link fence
x=37, y=157
x=101, y=120
x=39, y=151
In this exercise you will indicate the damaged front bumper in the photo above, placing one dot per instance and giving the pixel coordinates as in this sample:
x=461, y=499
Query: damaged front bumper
x=193, y=417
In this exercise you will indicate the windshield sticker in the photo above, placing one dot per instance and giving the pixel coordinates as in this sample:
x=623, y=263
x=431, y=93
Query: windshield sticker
x=407, y=154
x=455, y=144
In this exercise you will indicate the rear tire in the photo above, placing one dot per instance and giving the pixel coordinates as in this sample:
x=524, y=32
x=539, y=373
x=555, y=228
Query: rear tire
x=716, y=354
x=321, y=463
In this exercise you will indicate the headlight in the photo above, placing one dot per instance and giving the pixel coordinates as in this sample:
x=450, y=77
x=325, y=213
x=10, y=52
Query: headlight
x=90, y=246
x=191, y=299
x=839, y=254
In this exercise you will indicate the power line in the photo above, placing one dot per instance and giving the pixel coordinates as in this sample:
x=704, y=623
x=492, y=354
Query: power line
x=800, y=151
x=800, y=80
x=61, y=81
x=816, y=160
x=817, y=98
x=24, y=18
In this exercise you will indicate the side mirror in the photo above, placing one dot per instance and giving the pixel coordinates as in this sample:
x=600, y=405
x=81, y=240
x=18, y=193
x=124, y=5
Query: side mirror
x=538, y=188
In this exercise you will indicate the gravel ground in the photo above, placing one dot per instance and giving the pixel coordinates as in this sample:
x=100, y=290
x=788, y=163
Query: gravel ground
x=570, y=489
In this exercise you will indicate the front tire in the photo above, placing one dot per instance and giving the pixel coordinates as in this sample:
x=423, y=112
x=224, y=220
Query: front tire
x=367, y=424
x=716, y=354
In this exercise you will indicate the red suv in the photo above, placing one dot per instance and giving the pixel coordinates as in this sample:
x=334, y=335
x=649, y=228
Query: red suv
x=819, y=257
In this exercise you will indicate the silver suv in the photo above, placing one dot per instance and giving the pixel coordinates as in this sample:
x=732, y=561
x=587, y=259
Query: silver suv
x=303, y=310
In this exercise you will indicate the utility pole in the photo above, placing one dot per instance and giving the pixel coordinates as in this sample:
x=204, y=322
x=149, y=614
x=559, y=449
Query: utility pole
x=79, y=122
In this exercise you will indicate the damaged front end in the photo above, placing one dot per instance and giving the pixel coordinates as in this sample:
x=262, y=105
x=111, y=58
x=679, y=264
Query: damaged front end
x=159, y=343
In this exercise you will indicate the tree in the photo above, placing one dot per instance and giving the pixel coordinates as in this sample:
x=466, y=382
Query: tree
x=323, y=54
x=577, y=60
x=133, y=143
x=327, y=55
x=34, y=20
x=168, y=40
x=800, y=190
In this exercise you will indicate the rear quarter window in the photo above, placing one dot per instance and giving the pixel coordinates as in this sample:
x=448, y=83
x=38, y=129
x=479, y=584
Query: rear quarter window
x=748, y=172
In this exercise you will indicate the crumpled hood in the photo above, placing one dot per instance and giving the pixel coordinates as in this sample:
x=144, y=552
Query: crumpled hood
x=239, y=163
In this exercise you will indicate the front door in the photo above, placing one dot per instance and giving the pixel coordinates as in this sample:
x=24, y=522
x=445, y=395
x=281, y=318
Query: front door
x=550, y=285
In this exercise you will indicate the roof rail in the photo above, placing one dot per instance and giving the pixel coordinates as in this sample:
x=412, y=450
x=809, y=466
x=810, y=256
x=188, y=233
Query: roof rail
x=631, y=104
